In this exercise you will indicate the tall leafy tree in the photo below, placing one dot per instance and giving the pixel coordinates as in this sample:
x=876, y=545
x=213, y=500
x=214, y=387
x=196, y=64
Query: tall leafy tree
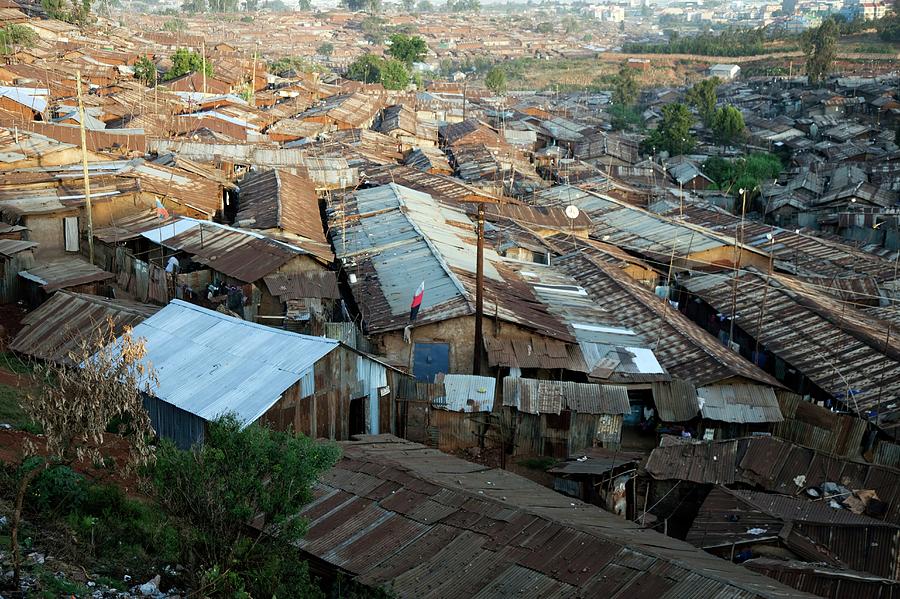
x=394, y=74
x=366, y=68
x=702, y=97
x=673, y=134
x=625, y=89
x=145, y=71
x=728, y=125
x=14, y=36
x=820, y=47
x=407, y=48
x=409, y=5
x=304, y=5
x=325, y=49
x=184, y=61
x=495, y=80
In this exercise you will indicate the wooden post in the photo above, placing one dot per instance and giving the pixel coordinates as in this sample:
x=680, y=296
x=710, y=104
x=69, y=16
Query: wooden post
x=84, y=168
x=203, y=51
x=479, y=295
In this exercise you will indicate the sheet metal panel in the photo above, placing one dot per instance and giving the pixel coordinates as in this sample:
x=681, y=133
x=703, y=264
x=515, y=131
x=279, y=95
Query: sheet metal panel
x=467, y=393
x=533, y=396
x=209, y=364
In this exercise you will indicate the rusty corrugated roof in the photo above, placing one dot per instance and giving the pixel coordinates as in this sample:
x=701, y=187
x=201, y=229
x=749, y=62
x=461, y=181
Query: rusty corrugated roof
x=66, y=319
x=428, y=525
x=839, y=348
x=771, y=464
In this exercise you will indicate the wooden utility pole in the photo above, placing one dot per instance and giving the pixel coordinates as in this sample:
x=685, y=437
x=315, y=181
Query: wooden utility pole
x=84, y=168
x=253, y=78
x=203, y=51
x=479, y=294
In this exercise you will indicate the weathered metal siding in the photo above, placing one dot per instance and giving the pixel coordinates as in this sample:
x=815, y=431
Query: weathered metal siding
x=457, y=430
x=319, y=404
x=11, y=290
x=171, y=422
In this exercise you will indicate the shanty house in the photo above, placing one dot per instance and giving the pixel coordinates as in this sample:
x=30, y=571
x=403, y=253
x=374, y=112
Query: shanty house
x=390, y=239
x=15, y=256
x=209, y=364
x=69, y=272
x=557, y=418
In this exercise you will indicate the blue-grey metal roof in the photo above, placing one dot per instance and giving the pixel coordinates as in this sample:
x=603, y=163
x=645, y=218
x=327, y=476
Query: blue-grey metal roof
x=467, y=393
x=210, y=364
x=408, y=237
x=633, y=228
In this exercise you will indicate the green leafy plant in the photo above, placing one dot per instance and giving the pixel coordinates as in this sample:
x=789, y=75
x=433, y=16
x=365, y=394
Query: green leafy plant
x=184, y=61
x=239, y=475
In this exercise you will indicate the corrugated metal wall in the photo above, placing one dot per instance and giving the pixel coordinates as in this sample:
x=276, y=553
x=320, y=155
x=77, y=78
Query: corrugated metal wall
x=173, y=423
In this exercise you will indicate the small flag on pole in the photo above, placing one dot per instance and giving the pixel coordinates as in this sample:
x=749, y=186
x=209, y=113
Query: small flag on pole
x=416, y=302
x=161, y=211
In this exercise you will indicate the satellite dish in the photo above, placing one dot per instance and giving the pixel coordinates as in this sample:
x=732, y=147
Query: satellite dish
x=572, y=212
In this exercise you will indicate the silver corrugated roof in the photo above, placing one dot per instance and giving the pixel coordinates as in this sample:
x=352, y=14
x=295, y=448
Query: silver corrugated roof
x=739, y=403
x=467, y=393
x=211, y=364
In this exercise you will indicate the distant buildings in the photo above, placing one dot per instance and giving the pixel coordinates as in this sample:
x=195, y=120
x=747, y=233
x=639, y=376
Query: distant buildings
x=725, y=72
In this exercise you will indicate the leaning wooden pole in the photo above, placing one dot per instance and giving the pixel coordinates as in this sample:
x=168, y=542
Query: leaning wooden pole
x=84, y=168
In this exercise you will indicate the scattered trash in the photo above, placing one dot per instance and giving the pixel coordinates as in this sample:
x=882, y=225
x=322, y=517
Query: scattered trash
x=756, y=531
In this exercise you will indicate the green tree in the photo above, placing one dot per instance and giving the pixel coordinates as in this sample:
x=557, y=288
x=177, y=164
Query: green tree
x=703, y=97
x=495, y=80
x=545, y=27
x=728, y=125
x=184, y=61
x=77, y=12
x=366, y=68
x=145, y=71
x=673, y=134
x=425, y=6
x=625, y=88
x=394, y=74
x=409, y=5
x=407, y=49
x=175, y=25
x=13, y=37
x=325, y=49
x=304, y=5
x=241, y=474
x=820, y=47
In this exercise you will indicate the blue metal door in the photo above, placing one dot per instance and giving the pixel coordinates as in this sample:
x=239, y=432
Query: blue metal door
x=430, y=359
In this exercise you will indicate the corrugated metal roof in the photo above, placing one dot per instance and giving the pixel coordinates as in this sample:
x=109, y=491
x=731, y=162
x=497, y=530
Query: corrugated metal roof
x=684, y=349
x=427, y=525
x=11, y=247
x=467, y=393
x=822, y=580
x=210, y=364
x=628, y=226
x=799, y=252
x=771, y=464
x=535, y=396
x=406, y=237
x=66, y=319
x=245, y=255
x=739, y=403
x=65, y=272
x=288, y=286
x=838, y=347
